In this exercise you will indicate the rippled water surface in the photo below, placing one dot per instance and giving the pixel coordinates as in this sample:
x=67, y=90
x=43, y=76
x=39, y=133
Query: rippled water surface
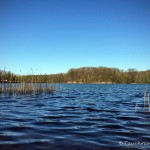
x=77, y=116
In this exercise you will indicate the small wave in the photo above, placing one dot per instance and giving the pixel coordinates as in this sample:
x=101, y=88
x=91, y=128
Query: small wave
x=93, y=109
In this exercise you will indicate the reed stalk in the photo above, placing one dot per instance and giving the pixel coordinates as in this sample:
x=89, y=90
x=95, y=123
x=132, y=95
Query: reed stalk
x=144, y=100
x=136, y=107
x=148, y=102
x=1, y=89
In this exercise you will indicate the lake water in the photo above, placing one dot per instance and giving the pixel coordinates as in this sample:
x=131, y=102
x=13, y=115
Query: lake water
x=78, y=117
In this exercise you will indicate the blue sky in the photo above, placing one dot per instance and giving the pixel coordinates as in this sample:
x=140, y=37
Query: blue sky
x=52, y=36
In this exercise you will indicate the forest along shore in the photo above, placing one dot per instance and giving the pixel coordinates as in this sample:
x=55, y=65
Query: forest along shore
x=97, y=75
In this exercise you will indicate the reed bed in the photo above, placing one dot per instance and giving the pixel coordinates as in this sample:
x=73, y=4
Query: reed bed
x=26, y=88
x=24, y=85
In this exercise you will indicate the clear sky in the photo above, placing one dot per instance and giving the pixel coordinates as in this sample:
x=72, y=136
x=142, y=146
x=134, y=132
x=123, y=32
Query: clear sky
x=53, y=36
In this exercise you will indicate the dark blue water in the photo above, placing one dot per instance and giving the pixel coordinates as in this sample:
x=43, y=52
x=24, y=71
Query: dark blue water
x=77, y=116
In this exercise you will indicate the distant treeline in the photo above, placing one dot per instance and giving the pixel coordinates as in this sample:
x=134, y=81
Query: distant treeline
x=83, y=75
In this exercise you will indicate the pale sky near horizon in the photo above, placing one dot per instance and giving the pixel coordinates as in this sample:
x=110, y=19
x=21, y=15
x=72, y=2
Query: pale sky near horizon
x=52, y=36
